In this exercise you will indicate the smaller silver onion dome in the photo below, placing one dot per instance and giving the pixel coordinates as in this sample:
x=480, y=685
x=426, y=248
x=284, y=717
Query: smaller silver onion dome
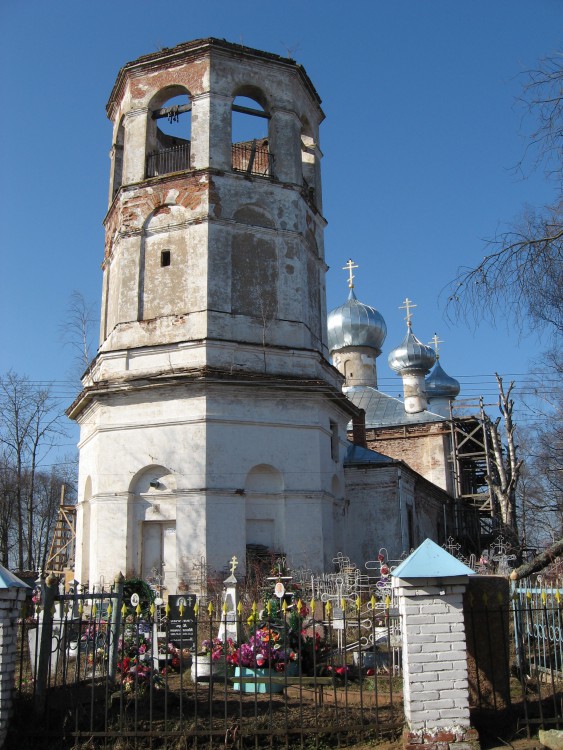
x=355, y=324
x=411, y=356
x=439, y=384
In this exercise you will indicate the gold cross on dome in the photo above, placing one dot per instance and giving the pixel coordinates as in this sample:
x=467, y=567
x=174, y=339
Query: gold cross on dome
x=349, y=267
x=234, y=563
x=408, y=304
x=435, y=340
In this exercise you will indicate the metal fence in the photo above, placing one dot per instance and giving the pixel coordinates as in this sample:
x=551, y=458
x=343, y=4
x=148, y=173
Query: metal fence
x=168, y=160
x=538, y=641
x=253, y=159
x=298, y=676
x=514, y=647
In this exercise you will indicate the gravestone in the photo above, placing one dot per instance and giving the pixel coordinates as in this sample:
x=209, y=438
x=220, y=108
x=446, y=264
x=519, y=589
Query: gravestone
x=182, y=622
x=229, y=626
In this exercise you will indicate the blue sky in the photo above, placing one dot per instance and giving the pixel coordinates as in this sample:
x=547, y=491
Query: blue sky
x=419, y=141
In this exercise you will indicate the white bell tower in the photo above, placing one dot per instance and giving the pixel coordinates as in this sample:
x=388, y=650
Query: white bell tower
x=211, y=418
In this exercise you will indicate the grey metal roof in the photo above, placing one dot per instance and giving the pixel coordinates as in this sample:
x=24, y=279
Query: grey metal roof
x=439, y=383
x=411, y=355
x=385, y=411
x=355, y=324
x=10, y=581
x=357, y=454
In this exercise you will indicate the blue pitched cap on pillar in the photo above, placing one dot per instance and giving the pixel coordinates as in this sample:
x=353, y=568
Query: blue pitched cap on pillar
x=10, y=581
x=431, y=561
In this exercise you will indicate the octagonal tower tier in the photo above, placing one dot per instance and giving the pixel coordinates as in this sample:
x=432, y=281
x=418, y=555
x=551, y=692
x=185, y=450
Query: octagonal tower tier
x=211, y=418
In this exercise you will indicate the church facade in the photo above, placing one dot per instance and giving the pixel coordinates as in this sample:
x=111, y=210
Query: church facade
x=211, y=418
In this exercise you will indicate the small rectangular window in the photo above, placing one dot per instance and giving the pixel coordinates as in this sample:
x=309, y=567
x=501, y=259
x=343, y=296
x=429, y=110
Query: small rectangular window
x=165, y=258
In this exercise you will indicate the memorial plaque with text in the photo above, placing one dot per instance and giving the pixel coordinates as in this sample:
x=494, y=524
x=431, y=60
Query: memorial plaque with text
x=182, y=627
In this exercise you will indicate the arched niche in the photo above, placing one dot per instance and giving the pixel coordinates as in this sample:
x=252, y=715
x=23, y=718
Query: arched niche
x=264, y=513
x=265, y=479
x=250, y=132
x=164, y=267
x=152, y=549
x=168, y=146
x=254, y=268
x=152, y=480
x=254, y=215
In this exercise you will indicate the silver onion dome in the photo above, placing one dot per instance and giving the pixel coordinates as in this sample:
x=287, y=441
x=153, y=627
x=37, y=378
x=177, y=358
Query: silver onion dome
x=355, y=324
x=411, y=356
x=440, y=384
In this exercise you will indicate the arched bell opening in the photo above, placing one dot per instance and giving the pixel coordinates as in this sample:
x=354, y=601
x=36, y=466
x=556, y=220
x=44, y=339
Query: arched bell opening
x=117, y=150
x=250, y=134
x=308, y=161
x=169, y=132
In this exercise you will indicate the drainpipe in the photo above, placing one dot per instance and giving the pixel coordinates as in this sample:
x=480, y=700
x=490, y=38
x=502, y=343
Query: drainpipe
x=445, y=522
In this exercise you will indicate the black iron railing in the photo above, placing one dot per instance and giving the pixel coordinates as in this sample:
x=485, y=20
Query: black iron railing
x=167, y=160
x=128, y=671
x=253, y=158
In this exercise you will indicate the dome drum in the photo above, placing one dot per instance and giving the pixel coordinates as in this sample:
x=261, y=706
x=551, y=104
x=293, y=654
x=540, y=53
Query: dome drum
x=357, y=364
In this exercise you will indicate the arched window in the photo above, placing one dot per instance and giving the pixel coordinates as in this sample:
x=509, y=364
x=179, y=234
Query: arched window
x=308, y=161
x=169, y=132
x=117, y=159
x=251, y=150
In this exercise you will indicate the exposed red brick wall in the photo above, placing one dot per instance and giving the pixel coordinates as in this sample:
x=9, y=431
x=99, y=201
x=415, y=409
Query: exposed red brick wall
x=423, y=448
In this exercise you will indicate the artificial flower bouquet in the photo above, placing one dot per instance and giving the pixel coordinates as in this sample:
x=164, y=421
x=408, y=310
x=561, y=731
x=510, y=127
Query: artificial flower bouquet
x=264, y=649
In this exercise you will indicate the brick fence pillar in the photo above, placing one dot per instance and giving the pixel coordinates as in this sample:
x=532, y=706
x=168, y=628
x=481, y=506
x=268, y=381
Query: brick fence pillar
x=12, y=594
x=430, y=585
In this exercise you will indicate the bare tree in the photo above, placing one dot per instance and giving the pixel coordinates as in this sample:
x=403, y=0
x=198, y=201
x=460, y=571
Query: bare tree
x=7, y=506
x=503, y=477
x=48, y=499
x=522, y=273
x=521, y=277
x=539, y=562
x=78, y=329
x=542, y=101
x=541, y=490
x=30, y=425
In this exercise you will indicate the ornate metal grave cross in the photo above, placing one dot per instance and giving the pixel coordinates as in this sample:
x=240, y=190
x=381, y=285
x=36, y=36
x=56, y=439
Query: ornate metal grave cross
x=500, y=555
x=384, y=569
x=453, y=547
